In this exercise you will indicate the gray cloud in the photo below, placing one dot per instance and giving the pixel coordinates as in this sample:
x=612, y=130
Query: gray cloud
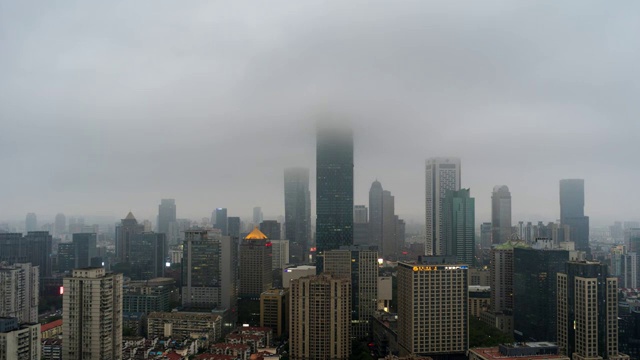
x=106, y=107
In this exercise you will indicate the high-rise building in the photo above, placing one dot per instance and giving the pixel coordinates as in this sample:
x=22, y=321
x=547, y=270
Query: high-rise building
x=375, y=213
x=360, y=265
x=256, y=272
x=334, y=190
x=500, y=214
x=12, y=248
x=39, y=248
x=485, y=235
x=221, y=220
x=209, y=270
x=433, y=307
x=459, y=227
x=19, y=341
x=271, y=228
x=149, y=253
x=148, y=296
x=360, y=214
x=588, y=312
x=400, y=234
x=125, y=233
x=297, y=213
x=572, y=212
x=66, y=257
x=19, y=286
x=166, y=216
x=85, y=249
x=280, y=254
x=389, y=248
x=257, y=215
x=320, y=318
x=534, y=292
x=442, y=174
x=92, y=315
x=31, y=223
x=274, y=310
x=60, y=225
x=233, y=224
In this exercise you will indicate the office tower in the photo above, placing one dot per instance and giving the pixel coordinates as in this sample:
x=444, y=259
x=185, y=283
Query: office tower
x=400, y=234
x=375, y=213
x=221, y=220
x=19, y=341
x=320, y=318
x=12, y=248
x=500, y=214
x=433, y=307
x=334, y=190
x=274, y=311
x=534, y=292
x=149, y=253
x=442, y=174
x=297, y=213
x=360, y=265
x=125, y=232
x=360, y=214
x=92, y=315
x=31, y=223
x=459, y=229
x=257, y=215
x=271, y=229
x=485, y=235
x=166, y=216
x=66, y=257
x=148, y=296
x=19, y=286
x=280, y=254
x=233, y=224
x=389, y=249
x=85, y=249
x=588, y=312
x=256, y=274
x=572, y=212
x=60, y=225
x=38, y=250
x=209, y=270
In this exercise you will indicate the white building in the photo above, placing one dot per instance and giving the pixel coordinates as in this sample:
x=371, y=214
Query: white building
x=20, y=342
x=296, y=272
x=92, y=315
x=19, y=289
x=280, y=253
x=441, y=174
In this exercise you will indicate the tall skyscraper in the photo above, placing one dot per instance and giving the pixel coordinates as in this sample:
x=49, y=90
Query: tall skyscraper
x=433, y=307
x=125, y=232
x=500, y=214
x=19, y=341
x=148, y=255
x=257, y=215
x=361, y=230
x=459, y=225
x=360, y=214
x=485, y=235
x=209, y=270
x=320, y=318
x=271, y=228
x=534, y=292
x=19, y=286
x=85, y=249
x=233, y=224
x=31, y=223
x=588, y=312
x=66, y=257
x=360, y=265
x=60, y=225
x=38, y=250
x=389, y=248
x=256, y=267
x=92, y=315
x=375, y=213
x=334, y=189
x=166, y=216
x=297, y=213
x=221, y=220
x=442, y=174
x=572, y=212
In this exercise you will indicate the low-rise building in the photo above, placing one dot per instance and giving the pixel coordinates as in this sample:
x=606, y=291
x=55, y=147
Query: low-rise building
x=518, y=351
x=180, y=325
x=479, y=300
x=51, y=329
x=52, y=349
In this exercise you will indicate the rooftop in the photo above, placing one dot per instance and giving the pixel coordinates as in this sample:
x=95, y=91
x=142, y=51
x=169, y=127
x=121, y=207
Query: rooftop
x=256, y=234
x=51, y=325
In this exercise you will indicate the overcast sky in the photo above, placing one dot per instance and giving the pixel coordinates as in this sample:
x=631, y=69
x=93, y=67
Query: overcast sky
x=109, y=106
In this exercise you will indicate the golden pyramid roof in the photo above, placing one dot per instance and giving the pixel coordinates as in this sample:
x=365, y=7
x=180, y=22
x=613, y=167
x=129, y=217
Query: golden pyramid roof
x=256, y=234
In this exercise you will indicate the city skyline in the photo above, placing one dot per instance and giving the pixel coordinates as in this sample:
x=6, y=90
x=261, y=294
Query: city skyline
x=485, y=94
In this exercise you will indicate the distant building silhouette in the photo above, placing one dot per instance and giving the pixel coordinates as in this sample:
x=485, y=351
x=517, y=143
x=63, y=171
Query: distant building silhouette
x=297, y=213
x=272, y=229
x=39, y=246
x=233, y=224
x=166, y=217
x=125, y=233
x=572, y=212
x=221, y=220
x=257, y=215
x=442, y=174
x=459, y=227
x=149, y=252
x=389, y=248
x=500, y=214
x=60, y=225
x=31, y=223
x=334, y=189
x=375, y=213
x=85, y=249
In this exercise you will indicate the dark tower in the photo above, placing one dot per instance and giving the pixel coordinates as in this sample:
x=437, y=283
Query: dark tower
x=297, y=212
x=572, y=212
